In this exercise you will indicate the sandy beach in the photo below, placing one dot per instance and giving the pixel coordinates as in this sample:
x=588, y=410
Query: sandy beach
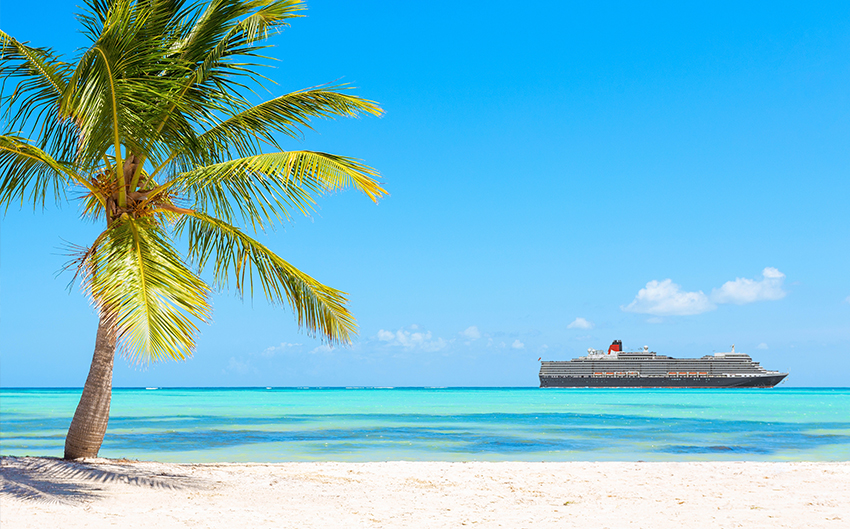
x=42, y=492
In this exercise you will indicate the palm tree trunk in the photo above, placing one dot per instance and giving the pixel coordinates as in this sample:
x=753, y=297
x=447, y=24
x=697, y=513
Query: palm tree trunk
x=89, y=425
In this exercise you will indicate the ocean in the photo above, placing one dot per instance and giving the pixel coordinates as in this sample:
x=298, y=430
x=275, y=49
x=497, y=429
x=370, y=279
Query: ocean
x=442, y=424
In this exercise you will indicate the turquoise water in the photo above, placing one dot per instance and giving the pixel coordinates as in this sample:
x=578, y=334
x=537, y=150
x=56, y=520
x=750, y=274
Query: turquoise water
x=453, y=424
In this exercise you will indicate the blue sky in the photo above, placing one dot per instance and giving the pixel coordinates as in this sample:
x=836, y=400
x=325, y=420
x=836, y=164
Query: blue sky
x=560, y=175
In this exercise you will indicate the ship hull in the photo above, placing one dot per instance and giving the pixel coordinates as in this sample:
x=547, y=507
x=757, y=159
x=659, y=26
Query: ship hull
x=767, y=381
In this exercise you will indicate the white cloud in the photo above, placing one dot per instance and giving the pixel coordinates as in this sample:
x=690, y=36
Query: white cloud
x=742, y=290
x=284, y=346
x=386, y=336
x=518, y=344
x=324, y=348
x=412, y=340
x=580, y=323
x=762, y=346
x=666, y=298
x=472, y=333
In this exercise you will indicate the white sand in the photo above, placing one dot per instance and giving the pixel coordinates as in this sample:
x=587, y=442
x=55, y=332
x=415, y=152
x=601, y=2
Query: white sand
x=46, y=493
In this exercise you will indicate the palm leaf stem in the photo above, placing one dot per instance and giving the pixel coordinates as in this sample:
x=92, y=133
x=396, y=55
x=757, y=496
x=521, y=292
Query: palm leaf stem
x=119, y=164
x=137, y=247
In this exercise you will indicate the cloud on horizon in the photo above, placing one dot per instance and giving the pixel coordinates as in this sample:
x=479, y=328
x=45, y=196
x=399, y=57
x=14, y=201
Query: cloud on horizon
x=412, y=339
x=665, y=298
x=283, y=347
x=743, y=290
x=471, y=333
x=580, y=323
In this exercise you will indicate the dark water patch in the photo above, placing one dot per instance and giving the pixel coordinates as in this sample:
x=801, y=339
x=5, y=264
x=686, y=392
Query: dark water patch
x=28, y=425
x=758, y=443
x=553, y=421
x=184, y=441
x=416, y=438
x=660, y=405
x=177, y=432
x=467, y=440
x=512, y=445
x=720, y=449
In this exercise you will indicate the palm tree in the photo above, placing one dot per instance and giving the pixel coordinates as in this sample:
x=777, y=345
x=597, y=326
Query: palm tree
x=152, y=129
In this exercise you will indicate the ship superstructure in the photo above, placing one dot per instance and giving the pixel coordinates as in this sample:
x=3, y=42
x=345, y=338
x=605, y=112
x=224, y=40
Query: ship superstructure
x=645, y=368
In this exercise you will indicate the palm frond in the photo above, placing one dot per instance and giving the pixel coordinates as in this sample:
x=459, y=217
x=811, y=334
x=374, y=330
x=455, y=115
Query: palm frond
x=219, y=33
x=318, y=308
x=41, y=79
x=265, y=188
x=29, y=174
x=135, y=273
x=232, y=24
x=245, y=131
x=124, y=82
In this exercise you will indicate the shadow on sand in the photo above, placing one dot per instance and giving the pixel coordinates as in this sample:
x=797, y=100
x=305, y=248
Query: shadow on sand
x=52, y=480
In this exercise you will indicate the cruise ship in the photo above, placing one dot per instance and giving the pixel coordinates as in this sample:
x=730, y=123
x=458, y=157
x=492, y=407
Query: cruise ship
x=616, y=368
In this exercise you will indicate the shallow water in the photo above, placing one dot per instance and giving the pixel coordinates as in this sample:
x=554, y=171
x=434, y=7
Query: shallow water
x=446, y=424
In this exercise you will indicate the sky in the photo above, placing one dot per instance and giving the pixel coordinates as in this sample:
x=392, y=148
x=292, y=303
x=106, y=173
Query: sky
x=560, y=175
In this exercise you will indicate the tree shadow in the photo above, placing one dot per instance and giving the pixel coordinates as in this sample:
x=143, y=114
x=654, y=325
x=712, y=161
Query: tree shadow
x=52, y=480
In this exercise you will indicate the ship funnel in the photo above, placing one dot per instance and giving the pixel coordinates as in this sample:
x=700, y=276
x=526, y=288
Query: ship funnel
x=617, y=346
